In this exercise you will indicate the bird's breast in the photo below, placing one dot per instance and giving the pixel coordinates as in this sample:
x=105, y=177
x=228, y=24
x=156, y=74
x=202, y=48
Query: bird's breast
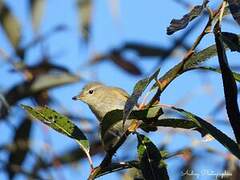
x=106, y=105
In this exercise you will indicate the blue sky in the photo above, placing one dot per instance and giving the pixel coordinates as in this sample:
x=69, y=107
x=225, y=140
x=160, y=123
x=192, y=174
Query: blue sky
x=137, y=21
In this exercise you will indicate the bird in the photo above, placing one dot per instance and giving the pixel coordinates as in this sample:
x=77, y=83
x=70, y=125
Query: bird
x=102, y=99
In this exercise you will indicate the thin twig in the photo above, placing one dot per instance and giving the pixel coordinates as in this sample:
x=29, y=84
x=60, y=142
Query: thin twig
x=108, y=157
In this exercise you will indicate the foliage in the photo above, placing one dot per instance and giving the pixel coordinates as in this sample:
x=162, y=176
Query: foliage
x=151, y=162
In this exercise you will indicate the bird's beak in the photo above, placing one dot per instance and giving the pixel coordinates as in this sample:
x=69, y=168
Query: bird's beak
x=78, y=97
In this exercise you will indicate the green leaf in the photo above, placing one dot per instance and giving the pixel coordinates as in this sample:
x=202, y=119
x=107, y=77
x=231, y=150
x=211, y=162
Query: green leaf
x=37, y=7
x=213, y=131
x=40, y=83
x=229, y=85
x=47, y=81
x=145, y=50
x=235, y=75
x=121, y=61
x=234, y=6
x=10, y=25
x=151, y=161
x=139, y=88
x=20, y=146
x=231, y=40
x=202, y=56
x=85, y=11
x=115, y=116
x=194, y=60
x=178, y=24
x=179, y=123
x=114, y=167
x=60, y=123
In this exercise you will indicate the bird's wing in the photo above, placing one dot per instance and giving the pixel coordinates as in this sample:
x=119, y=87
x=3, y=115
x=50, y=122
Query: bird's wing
x=120, y=91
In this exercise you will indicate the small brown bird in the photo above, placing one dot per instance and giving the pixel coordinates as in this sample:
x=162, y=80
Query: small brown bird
x=102, y=99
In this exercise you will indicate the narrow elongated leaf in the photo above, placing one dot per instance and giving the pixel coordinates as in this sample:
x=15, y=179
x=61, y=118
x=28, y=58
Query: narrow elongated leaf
x=37, y=7
x=44, y=67
x=41, y=83
x=234, y=6
x=201, y=56
x=139, y=88
x=178, y=24
x=85, y=10
x=231, y=40
x=38, y=85
x=145, y=50
x=213, y=131
x=193, y=61
x=4, y=106
x=183, y=66
x=10, y=25
x=114, y=167
x=60, y=123
x=151, y=161
x=235, y=75
x=229, y=85
x=179, y=123
x=125, y=64
x=113, y=117
x=118, y=59
x=20, y=147
x=52, y=80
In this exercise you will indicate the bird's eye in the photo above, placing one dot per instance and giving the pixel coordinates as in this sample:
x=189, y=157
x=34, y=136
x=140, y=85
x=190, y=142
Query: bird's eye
x=90, y=91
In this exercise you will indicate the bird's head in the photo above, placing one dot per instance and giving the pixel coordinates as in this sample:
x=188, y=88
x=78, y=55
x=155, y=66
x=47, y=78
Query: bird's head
x=89, y=93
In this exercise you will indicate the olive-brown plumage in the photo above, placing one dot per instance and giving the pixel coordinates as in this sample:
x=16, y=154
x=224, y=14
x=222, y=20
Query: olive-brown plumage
x=102, y=99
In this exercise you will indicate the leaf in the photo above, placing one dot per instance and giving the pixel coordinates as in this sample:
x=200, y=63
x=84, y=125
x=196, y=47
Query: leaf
x=231, y=40
x=20, y=147
x=10, y=25
x=151, y=161
x=116, y=57
x=179, y=123
x=41, y=83
x=201, y=56
x=4, y=106
x=44, y=76
x=139, y=88
x=43, y=67
x=178, y=24
x=213, y=131
x=194, y=60
x=229, y=85
x=61, y=124
x=234, y=6
x=49, y=80
x=115, y=116
x=145, y=50
x=114, y=167
x=85, y=11
x=37, y=7
x=125, y=64
x=235, y=75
